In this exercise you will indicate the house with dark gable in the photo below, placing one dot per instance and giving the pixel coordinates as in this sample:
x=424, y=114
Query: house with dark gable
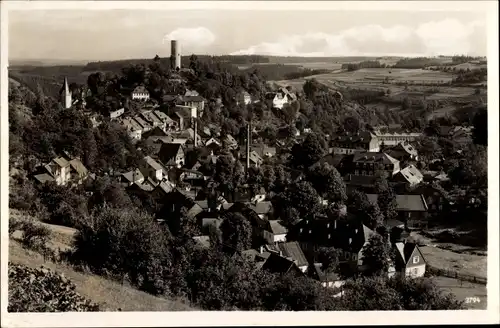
x=350, y=236
x=410, y=261
x=370, y=163
x=172, y=155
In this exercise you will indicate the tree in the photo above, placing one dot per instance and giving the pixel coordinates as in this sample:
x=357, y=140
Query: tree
x=126, y=243
x=328, y=182
x=480, y=131
x=387, y=204
x=309, y=152
x=377, y=255
x=329, y=258
x=236, y=231
x=381, y=293
x=368, y=213
x=301, y=197
x=351, y=125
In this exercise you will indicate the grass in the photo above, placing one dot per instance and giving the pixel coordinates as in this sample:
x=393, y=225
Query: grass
x=469, y=264
x=464, y=290
x=109, y=294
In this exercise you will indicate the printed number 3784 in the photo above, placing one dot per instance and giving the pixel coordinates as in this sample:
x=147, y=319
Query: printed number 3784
x=472, y=300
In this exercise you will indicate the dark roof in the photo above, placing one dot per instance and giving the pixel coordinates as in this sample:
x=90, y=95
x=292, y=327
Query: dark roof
x=261, y=207
x=140, y=89
x=405, y=202
x=193, y=98
x=405, y=251
x=168, y=151
x=44, y=177
x=278, y=264
x=277, y=228
x=372, y=157
x=333, y=160
x=292, y=250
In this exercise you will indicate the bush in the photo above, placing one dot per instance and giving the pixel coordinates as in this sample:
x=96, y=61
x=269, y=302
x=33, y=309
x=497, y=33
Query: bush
x=40, y=290
x=35, y=236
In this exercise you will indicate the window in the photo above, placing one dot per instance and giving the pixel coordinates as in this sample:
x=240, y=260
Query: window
x=301, y=230
x=415, y=260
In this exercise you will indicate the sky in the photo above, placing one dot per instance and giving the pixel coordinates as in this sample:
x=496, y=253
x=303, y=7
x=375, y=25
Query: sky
x=124, y=34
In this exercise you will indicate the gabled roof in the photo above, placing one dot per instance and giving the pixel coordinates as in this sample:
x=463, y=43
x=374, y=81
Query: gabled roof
x=44, y=177
x=293, y=251
x=278, y=264
x=229, y=138
x=142, y=123
x=372, y=157
x=61, y=162
x=151, y=117
x=131, y=124
x=261, y=207
x=133, y=174
x=140, y=89
x=193, y=99
x=405, y=202
x=333, y=159
x=405, y=251
x=165, y=186
x=168, y=151
x=277, y=228
x=154, y=164
x=324, y=276
x=194, y=211
x=78, y=166
x=163, y=117
x=411, y=174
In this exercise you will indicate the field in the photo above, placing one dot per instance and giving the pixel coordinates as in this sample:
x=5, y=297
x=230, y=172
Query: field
x=464, y=290
x=464, y=263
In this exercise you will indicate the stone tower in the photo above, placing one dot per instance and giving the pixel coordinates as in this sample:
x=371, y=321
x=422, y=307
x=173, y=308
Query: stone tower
x=175, y=55
x=65, y=93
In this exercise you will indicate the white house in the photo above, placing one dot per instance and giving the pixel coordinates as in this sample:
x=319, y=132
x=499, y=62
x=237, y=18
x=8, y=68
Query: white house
x=140, y=93
x=279, y=231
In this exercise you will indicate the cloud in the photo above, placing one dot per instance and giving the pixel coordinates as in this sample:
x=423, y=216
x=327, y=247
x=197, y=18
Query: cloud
x=197, y=37
x=448, y=36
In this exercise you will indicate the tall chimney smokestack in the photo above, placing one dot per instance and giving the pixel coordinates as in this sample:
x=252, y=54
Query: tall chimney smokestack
x=195, y=132
x=248, y=146
x=175, y=54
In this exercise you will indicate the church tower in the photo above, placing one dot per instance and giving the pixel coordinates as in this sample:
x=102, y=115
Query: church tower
x=65, y=93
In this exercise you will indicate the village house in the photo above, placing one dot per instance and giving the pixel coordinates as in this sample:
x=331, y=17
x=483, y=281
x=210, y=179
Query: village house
x=134, y=129
x=152, y=169
x=392, y=139
x=410, y=261
x=279, y=231
x=410, y=176
x=370, y=163
x=436, y=198
x=132, y=177
x=79, y=172
x=144, y=125
x=58, y=170
x=255, y=159
x=403, y=151
x=197, y=102
x=263, y=150
x=116, y=113
x=281, y=265
x=350, y=236
x=140, y=93
x=326, y=279
x=411, y=209
x=243, y=98
x=351, y=144
x=154, y=120
x=280, y=98
x=171, y=155
x=213, y=144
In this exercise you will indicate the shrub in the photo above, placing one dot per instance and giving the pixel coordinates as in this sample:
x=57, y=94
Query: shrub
x=35, y=236
x=40, y=290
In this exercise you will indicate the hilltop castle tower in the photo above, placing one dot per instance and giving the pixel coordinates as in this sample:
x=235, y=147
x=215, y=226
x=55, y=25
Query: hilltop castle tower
x=175, y=55
x=65, y=94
